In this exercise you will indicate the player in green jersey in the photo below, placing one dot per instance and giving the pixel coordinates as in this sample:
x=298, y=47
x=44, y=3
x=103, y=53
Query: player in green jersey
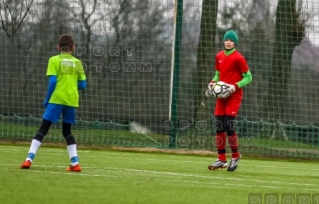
x=66, y=76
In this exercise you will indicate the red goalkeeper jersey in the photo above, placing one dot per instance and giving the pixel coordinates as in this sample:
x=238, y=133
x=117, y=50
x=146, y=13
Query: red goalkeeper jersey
x=231, y=67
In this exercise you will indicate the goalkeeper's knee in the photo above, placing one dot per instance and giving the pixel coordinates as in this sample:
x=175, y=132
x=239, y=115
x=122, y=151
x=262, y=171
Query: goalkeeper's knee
x=230, y=132
x=220, y=127
x=230, y=125
x=229, y=128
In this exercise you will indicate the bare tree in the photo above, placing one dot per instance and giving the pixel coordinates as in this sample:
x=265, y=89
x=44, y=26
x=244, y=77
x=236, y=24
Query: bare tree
x=86, y=18
x=140, y=26
x=13, y=14
x=205, y=59
x=48, y=23
x=290, y=31
x=87, y=13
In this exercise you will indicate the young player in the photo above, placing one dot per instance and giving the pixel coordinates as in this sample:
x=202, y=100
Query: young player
x=66, y=77
x=231, y=68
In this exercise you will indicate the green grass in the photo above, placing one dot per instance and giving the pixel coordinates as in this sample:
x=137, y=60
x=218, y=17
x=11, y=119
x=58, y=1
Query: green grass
x=266, y=142
x=132, y=177
x=102, y=137
x=112, y=137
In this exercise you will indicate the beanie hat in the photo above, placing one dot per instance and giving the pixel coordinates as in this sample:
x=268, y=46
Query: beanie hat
x=231, y=35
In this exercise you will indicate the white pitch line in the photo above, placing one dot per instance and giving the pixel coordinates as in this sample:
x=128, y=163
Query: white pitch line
x=163, y=179
x=186, y=175
x=242, y=163
x=216, y=177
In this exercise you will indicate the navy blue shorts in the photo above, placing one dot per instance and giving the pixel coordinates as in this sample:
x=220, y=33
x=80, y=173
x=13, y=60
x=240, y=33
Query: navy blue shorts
x=53, y=112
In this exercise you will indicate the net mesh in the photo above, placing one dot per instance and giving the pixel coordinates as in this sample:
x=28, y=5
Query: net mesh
x=129, y=52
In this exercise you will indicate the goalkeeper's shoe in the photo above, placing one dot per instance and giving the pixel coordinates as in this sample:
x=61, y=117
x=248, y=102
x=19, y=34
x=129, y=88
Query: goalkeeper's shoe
x=219, y=164
x=75, y=168
x=26, y=164
x=233, y=164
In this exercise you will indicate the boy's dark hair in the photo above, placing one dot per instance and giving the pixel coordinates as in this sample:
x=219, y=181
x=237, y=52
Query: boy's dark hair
x=66, y=42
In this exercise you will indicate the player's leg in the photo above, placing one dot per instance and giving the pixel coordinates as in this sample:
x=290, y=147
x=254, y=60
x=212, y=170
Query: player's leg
x=51, y=115
x=230, y=128
x=68, y=120
x=221, y=138
x=36, y=143
x=221, y=161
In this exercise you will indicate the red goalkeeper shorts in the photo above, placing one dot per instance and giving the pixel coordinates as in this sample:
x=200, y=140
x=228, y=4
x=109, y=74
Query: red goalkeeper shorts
x=228, y=106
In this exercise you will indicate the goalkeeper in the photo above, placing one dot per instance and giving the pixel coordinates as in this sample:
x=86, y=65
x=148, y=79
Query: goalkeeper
x=231, y=68
x=66, y=77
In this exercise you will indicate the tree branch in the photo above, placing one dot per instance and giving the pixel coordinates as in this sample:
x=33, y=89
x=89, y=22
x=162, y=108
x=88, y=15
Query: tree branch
x=16, y=22
x=24, y=17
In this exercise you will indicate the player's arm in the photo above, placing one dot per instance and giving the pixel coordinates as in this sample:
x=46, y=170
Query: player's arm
x=247, y=78
x=51, y=88
x=214, y=80
x=52, y=74
x=81, y=76
x=209, y=91
x=216, y=77
x=81, y=84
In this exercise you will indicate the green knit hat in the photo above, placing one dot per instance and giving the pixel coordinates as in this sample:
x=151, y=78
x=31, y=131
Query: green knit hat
x=231, y=35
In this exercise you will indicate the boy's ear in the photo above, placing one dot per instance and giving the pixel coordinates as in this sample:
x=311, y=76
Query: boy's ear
x=58, y=47
x=73, y=48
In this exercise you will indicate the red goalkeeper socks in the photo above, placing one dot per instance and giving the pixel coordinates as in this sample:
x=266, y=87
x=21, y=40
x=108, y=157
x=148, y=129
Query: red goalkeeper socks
x=235, y=154
x=222, y=156
x=221, y=145
x=233, y=144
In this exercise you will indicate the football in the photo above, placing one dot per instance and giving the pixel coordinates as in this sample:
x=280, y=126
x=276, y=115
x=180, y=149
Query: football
x=218, y=89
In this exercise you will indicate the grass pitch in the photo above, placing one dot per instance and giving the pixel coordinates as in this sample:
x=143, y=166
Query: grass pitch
x=134, y=177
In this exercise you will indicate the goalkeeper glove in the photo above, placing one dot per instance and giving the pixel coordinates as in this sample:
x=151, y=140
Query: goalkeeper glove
x=209, y=91
x=211, y=85
x=228, y=90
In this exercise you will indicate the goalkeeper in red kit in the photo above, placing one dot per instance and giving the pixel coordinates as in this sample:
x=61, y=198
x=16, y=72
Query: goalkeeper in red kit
x=231, y=68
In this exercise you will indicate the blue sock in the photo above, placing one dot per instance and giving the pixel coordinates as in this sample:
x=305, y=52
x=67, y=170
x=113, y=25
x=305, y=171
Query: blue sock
x=74, y=160
x=30, y=156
